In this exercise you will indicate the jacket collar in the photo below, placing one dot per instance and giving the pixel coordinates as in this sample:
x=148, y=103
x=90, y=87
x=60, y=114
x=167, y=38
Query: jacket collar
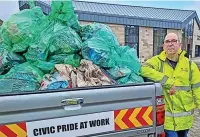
x=163, y=56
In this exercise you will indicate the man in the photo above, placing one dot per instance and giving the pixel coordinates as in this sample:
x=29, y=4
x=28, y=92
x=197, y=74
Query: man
x=180, y=79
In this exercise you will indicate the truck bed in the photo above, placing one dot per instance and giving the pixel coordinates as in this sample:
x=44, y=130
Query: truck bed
x=120, y=111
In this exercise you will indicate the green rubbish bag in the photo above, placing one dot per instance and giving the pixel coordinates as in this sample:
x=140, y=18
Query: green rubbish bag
x=31, y=4
x=132, y=78
x=118, y=72
x=22, y=28
x=64, y=40
x=46, y=67
x=100, y=52
x=23, y=77
x=58, y=59
x=53, y=40
x=1, y=38
x=100, y=45
x=25, y=71
x=37, y=51
x=17, y=85
x=99, y=30
x=129, y=59
x=63, y=11
x=4, y=46
x=73, y=60
x=8, y=59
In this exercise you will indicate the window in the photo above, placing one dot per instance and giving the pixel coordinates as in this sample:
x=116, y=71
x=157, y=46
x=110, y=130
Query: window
x=132, y=37
x=197, y=51
x=187, y=37
x=158, y=39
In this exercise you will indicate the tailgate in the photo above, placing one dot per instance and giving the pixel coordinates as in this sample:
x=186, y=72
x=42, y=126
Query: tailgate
x=106, y=111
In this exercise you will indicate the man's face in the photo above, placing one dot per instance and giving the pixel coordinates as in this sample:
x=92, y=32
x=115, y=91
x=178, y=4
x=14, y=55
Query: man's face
x=171, y=44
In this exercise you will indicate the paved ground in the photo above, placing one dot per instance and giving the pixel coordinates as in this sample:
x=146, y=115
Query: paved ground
x=195, y=131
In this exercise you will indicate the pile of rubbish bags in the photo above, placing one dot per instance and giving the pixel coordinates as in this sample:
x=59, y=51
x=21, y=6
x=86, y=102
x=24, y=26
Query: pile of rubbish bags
x=39, y=52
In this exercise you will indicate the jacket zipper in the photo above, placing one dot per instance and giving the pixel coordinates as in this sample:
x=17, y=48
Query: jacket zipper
x=174, y=123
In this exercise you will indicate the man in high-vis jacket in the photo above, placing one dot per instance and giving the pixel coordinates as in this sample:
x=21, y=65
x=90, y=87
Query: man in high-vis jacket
x=180, y=79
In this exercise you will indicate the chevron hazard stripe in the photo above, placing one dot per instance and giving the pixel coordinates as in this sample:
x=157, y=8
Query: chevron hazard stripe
x=133, y=118
x=82, y=125
x=13, y=130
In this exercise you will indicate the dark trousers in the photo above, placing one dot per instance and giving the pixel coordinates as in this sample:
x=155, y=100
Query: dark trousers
x=181, y=133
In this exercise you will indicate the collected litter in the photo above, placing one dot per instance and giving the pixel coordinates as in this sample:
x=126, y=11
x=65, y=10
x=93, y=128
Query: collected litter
x=67, y=76
x=50, y=52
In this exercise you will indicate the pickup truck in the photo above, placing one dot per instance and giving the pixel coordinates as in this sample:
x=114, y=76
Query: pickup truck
x=132, y=110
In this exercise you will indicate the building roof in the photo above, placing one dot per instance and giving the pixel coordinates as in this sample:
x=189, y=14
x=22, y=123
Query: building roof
x=133, y=11
x=130, y=15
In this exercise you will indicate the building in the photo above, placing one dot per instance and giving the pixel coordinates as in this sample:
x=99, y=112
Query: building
x=1, y=22
x=143, y=28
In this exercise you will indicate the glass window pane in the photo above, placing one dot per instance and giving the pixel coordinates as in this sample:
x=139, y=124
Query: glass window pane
x=132, y=37
x=158, y=39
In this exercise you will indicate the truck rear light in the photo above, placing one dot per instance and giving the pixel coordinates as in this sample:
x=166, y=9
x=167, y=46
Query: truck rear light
x=160, y=111
x=161, y=134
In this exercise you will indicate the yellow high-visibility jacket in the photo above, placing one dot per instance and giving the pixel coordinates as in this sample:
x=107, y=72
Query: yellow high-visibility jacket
x=179, y=108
